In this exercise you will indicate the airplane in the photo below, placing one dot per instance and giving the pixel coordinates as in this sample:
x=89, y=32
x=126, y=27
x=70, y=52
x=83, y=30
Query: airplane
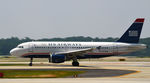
x=59, y=52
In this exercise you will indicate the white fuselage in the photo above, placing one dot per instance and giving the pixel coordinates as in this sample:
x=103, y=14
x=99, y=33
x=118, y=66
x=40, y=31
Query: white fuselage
x=58, y=52
x=101, y=48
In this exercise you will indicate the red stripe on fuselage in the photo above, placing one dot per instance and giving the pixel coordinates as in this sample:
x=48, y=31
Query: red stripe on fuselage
x=117, y=53
x=36, y=54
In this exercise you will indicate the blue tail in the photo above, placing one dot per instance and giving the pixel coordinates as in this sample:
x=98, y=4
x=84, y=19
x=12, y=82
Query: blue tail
x=132, y=35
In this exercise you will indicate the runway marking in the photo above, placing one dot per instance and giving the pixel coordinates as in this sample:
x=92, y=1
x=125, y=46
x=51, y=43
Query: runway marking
x=128, y=74
x=102, y=69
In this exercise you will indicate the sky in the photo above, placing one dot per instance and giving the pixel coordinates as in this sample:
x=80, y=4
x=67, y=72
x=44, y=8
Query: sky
x=38, y=19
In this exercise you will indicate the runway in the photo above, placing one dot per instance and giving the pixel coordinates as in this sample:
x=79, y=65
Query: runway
x=77, y=80
x=118, y=72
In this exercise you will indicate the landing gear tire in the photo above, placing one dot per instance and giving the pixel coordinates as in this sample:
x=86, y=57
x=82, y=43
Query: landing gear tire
x=75, y=63
x=30, y=64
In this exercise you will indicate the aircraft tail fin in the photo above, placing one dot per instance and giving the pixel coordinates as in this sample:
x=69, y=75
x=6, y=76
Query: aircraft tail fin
x=132, y=35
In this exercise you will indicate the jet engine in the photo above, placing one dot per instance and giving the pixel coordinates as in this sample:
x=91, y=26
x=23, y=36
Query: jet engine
x=57, y=58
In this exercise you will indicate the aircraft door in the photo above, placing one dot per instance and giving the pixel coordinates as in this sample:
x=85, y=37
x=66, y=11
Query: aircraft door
x=115, y=49
x=30, y=48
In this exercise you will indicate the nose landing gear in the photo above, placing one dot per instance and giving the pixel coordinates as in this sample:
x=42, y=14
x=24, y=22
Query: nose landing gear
x=31, y=59
x=74, y=63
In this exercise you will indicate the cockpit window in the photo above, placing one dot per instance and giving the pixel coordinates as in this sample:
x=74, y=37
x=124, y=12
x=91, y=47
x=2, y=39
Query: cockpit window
x=20, y=46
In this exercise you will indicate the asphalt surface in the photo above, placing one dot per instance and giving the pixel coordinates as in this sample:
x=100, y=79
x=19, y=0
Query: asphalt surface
x=91, y=73
x=105, y=72
x=76, y=80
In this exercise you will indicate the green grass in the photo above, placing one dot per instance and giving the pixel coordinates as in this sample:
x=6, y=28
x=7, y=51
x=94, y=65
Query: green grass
x=38, y=73
x=14, y=65
x=21, y=64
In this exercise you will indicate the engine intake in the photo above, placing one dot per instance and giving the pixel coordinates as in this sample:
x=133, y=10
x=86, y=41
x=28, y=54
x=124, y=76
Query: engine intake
x=57, y=58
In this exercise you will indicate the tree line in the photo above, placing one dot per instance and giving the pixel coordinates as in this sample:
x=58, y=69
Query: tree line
x=8, y=43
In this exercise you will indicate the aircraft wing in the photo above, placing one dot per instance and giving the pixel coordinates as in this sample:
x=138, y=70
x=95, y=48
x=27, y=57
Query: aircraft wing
x=75, y=52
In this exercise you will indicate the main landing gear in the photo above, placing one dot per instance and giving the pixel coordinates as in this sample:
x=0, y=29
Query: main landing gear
x=75, y=62
x=31, y=59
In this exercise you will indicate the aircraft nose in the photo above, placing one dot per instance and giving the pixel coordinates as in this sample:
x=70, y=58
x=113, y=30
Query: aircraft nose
x=12, y=52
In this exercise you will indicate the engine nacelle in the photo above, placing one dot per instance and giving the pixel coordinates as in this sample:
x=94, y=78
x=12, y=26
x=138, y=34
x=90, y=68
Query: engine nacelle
x=57, y=58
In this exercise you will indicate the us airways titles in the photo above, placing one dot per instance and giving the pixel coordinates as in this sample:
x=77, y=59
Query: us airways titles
x=64, y=44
